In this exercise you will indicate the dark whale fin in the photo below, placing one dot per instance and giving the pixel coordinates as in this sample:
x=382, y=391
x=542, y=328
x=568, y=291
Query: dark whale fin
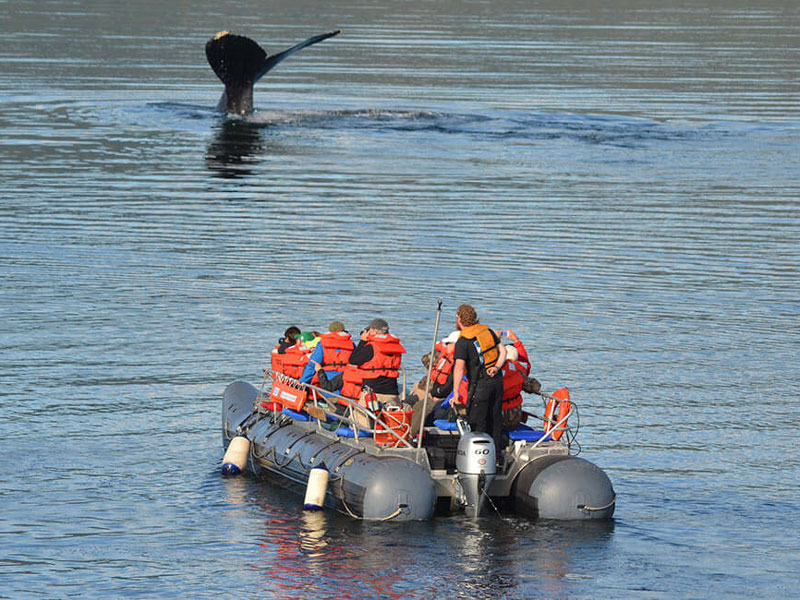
x=234, y=58
x=273, y=60
x=239, y=62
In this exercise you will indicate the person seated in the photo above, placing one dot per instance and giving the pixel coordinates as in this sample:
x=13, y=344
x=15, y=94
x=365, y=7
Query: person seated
x=442, y=367
x=373, y=368
x=330, y=356
x=515, y=380
x=288, y=340
x=442, y=356
x=310, y=339
x=294, y=360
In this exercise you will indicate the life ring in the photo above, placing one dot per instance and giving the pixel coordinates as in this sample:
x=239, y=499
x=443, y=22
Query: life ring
x=557, y=409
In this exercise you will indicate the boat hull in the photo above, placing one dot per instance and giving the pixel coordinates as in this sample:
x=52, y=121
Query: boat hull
x=362, y=485
x=367, y=482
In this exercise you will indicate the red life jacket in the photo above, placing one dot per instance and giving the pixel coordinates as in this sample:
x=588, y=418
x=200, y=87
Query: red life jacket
x=463, y=391
x=294, y=360
x=352, y=381
x=336, y=347
x=276, y=360
x=514, y=374
x=387, y=354
x=444, y=366
x=386, y=357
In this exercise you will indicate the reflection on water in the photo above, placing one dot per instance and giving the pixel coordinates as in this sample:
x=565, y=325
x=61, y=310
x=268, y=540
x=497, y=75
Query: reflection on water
x=312, y=533
x=235, y=148
x=323, y=554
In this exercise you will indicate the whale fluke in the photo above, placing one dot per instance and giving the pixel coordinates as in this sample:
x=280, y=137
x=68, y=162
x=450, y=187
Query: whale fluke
x=239, y=62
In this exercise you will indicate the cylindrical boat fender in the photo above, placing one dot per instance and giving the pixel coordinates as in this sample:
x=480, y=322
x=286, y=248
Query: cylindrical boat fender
x=235, y=459
x=316, y=488
x=565, y=488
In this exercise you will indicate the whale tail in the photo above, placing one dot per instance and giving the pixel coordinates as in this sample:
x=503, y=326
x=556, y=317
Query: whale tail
x=240, y=62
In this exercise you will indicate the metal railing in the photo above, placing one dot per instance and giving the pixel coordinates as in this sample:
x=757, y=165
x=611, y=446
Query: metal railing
x=556, y=425
x=355, y=415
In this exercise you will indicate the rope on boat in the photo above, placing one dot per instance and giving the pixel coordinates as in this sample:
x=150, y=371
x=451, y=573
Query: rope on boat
x=266, y=454
x=596, y=508
x=399, y=511
x=350, y=512
x=396, y=513
x=497, y=510
x=321, y=450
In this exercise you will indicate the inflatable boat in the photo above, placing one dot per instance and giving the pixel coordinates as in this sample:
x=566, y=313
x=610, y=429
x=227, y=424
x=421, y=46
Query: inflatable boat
x=366, y=464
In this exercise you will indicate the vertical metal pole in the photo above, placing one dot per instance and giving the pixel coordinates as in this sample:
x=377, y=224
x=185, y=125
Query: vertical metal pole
x=428, y=379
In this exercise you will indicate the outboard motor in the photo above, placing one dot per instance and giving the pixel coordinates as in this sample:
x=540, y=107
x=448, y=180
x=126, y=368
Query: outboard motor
x=475, y=463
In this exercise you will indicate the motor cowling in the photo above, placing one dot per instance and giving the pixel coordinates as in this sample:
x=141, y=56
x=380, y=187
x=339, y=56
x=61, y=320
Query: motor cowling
x=475, y=463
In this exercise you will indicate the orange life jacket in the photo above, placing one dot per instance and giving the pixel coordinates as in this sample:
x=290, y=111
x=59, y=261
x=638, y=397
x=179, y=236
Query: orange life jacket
x=513, y=377
x=336, y=349
x=444, y=366
x=463, y=392
x=294, y=360
x=482, y=337
x=352, y=381
x=386, y=357
x=385, y=362
x=276, y=360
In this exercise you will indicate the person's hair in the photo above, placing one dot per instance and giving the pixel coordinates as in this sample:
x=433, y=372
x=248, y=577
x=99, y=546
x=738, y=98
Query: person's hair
x=467, y=315
x=379, y=325
x=291, y=333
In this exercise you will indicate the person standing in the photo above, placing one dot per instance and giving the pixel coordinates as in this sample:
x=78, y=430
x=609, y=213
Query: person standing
x=480, y=356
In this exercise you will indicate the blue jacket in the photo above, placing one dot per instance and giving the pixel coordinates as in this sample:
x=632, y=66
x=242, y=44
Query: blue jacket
x=310, y=369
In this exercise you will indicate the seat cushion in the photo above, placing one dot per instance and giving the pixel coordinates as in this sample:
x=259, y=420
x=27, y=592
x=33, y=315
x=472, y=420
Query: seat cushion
x=523, y=433
x=446, y=425
x=348, y=432
x=297, y=416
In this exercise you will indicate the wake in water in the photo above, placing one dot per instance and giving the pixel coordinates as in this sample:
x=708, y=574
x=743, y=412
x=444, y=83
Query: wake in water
x=238, y=142
x=498, y=125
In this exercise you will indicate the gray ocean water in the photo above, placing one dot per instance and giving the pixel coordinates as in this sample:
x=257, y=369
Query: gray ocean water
x=618, y=184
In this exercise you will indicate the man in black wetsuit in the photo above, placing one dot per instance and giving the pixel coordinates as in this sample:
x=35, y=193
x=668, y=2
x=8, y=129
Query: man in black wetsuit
x=480, y=356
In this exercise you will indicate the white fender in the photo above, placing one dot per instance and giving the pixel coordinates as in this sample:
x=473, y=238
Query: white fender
x=316, y=488
x=235, y=459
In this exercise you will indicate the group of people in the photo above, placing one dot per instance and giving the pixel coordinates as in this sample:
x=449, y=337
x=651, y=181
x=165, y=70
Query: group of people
x=366, y=372
x=490, y=375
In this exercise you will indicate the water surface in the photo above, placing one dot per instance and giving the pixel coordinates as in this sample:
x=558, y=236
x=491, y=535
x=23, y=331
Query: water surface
x=619, y=185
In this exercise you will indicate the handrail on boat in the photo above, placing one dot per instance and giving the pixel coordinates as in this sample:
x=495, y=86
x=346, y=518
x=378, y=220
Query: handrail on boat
x=560, y=424
x=556, y=425
x=353, y=408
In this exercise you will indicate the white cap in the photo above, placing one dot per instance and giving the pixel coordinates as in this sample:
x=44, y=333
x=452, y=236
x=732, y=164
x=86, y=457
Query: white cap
x=511, y=353
x=452, y=338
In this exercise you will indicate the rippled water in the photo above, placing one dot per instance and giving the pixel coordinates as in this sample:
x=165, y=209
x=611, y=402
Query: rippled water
x=619, y=185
